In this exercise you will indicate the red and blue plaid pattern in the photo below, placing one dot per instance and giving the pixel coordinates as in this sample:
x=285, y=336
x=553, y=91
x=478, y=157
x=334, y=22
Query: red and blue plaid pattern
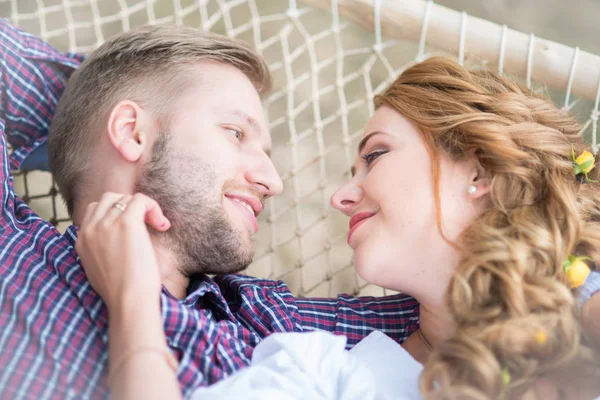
x=53, y=326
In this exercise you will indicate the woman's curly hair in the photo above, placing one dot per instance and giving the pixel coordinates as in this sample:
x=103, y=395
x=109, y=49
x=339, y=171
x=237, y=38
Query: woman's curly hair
x=509, y=287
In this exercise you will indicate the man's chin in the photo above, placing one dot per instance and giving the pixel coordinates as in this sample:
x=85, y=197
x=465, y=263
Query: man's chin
x=247, y=246
x=237, y=270
x=242, y=261
x=247, y=258
x=245, y=234
x=230, y=269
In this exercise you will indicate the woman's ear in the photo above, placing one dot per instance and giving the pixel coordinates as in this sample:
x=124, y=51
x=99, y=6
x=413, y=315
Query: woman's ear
x=124, y=130
x=480, y=184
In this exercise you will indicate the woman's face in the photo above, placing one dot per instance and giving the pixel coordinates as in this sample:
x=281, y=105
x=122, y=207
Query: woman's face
x=390, y=203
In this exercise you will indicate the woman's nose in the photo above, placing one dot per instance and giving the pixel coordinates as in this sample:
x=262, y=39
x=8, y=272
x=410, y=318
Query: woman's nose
x=346, y=198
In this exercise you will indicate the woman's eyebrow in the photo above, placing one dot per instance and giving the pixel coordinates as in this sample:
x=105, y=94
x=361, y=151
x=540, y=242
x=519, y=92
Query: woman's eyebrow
x=364, y=140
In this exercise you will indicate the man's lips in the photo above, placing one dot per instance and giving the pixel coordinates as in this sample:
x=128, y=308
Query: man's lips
x=249, y=206
x=254, y=204
x=357, y=220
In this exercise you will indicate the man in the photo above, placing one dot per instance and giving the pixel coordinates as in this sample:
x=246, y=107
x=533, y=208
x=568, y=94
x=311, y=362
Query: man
x=174, y=114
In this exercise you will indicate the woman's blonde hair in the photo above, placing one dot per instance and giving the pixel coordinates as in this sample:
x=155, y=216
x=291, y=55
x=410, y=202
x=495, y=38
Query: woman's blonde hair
x=515, y=313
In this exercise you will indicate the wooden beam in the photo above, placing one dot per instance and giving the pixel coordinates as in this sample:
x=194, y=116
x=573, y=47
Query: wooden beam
x=551, y=62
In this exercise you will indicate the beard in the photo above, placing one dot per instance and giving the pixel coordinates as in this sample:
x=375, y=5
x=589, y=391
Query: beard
x=201, y=238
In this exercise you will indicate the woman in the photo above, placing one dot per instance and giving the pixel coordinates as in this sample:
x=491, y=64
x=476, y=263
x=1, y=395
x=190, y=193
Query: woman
x=465, y=195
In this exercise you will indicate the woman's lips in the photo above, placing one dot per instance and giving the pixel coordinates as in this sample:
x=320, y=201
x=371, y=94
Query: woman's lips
x=357, y=220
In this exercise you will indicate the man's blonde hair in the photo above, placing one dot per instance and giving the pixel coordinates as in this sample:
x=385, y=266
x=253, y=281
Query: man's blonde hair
x=147, y=65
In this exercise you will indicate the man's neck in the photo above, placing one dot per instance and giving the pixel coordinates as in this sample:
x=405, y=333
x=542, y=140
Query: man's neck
x=170, y=275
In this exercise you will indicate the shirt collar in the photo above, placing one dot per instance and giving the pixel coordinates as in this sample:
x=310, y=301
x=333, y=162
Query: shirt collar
x=202, y=292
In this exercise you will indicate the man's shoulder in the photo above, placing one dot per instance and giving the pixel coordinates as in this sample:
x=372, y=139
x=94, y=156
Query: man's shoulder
x=18, y=41
x=33, y=76
x=51, y=312
x=36, y=258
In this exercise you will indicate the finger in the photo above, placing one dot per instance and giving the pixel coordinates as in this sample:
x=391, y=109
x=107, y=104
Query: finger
x=89, y=211
x=105, y=203
x=115, y=212
x=590, y=319
x=546, y=390
x=143, y=207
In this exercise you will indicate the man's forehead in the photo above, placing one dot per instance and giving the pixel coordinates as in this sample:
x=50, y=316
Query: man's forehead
x=229, y=93
x=218, y=75
x=256, y=120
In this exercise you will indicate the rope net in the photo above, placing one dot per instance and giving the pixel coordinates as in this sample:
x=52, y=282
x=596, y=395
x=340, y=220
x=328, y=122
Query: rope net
x=326, y=71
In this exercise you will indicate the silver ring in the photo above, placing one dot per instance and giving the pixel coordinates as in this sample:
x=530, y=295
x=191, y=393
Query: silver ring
x=119, y=206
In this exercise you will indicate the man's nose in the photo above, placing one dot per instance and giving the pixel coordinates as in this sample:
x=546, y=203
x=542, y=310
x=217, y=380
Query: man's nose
x=265, y=178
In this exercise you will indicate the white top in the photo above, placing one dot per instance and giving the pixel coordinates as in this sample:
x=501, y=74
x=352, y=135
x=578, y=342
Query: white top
x=315, y=366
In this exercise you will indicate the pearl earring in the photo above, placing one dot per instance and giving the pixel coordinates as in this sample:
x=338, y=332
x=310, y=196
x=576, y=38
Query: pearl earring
x=472, y=189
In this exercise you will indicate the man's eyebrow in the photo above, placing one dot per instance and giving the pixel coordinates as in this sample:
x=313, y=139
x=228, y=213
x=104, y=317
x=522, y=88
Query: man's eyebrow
x=248, y=119
x=362, y=145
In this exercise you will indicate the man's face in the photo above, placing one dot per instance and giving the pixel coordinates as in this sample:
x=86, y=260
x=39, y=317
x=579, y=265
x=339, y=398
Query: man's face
x=211, y=172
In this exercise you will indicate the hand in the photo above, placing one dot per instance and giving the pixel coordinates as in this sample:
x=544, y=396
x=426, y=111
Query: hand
x=590, y=319
x=116, y=250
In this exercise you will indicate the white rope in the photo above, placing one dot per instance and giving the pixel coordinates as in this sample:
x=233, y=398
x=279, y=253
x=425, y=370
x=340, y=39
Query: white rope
x=463, y=31
x=292, y=9
x=424, y=26
x=150, y=13
x=377, y=25
x=597, y=101
x=124, y=18
x=571, y=76
x=530, y=59
x=335, y=16
x=97, y=26
x=70, y=29
x=502, y=50
x=42, y=19
x=594, y=118
x=325, y=77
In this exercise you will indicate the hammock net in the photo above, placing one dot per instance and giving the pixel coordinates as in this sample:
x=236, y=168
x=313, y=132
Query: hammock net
x=328, y=59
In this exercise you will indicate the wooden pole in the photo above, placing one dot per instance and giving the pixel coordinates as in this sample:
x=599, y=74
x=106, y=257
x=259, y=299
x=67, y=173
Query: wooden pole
x=551, y=62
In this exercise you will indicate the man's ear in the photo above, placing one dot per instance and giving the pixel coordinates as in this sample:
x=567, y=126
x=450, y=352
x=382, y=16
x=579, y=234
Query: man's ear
x=124, y=130
x=480, y=179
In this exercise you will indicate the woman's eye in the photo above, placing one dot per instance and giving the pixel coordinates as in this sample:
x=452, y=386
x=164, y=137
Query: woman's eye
x=370, y=157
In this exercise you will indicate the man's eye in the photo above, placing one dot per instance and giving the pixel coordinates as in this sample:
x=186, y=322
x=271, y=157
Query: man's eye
x=237, y=133
x=370, y=157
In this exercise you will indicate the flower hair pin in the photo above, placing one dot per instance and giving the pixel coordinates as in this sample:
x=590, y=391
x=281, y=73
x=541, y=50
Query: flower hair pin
x=583, y=164
x=506, y=378
x=576, y=270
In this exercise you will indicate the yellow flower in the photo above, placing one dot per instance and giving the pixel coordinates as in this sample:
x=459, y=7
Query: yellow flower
x=505, y=382
x=505, y=376
x=576, y=270
x=583, y=164
x=541, y=337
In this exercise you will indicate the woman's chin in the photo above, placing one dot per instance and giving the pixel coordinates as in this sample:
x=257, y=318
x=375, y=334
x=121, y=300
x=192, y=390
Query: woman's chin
x=369, y=269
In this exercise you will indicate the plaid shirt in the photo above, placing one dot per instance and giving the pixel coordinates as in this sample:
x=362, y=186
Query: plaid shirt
x=53, y=335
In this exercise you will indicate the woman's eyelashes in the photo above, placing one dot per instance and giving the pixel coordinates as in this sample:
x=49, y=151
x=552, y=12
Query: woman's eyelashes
x=370, y=157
